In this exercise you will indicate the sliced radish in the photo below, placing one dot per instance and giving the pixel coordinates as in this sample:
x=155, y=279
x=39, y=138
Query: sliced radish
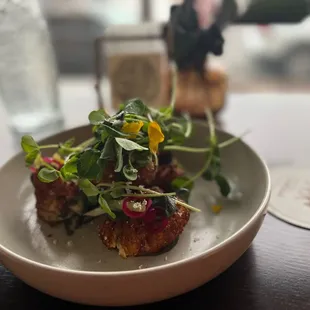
x=135, y=214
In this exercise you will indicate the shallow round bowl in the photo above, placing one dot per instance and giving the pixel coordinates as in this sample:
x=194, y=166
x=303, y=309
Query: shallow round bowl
x=79, y=268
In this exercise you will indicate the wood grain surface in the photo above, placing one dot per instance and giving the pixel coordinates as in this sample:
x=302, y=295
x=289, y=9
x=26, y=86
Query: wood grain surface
x=274, y=274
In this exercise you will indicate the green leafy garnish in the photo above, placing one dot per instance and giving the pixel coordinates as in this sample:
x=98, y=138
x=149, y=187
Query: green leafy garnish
x=130, y=172
x=108, y=152
x=87, y=164
x=188, y=126
x=31, y=148
x=66, y=147
x=119, y=158
x=168, y=112
x=135, y=106
x=113, y=132
x=97, y=117
x=117, y=152
x=69, y=170
x=104, y=135
x=223, y=185
x=140, y=158
x=176, y=133
x=31, y=157
x=47, y=175
x=88, y=188
x=69, y=142
x=211, y=171
x=179, y=182
x=129, y=145
x=29, y=145
x=117, y=192
x=104, y=206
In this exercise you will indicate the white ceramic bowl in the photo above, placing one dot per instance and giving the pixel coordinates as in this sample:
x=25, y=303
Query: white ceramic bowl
x=80, y=269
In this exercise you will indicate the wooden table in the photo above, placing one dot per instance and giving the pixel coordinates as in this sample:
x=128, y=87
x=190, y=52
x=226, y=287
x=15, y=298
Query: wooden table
x=274, y=274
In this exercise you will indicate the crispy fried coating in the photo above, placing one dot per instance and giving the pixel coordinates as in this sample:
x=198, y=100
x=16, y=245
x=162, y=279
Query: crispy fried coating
x=52, y=199
x=132, y=238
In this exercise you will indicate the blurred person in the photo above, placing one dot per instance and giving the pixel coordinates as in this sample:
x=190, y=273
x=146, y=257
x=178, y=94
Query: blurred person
x=207, y=9
x=201, y=83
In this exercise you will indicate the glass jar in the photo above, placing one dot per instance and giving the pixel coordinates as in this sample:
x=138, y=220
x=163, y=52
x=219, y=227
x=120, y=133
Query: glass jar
x=28, y=70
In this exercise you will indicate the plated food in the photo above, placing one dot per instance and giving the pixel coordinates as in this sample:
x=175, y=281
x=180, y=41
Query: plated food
x=81, y=269
x=152, y=182
x=127, y=175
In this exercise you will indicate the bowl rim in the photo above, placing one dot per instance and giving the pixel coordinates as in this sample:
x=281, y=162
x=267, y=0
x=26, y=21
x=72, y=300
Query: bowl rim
x=261, y=208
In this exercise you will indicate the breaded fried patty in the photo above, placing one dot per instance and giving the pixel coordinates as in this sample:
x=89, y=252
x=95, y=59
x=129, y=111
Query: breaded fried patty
x=133, y=238
x=52, y=199
x=166, y=174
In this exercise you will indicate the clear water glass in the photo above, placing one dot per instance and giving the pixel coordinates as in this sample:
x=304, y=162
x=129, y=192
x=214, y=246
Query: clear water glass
x=28, y=70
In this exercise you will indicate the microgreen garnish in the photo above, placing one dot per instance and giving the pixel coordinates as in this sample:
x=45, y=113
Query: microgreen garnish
x=129, y=145
x=69, y=170
x=88, y=188
x=87, y=164
x=119, y=158
x=135, y=107
x=105, y=207
x=29, y=145
x=97, y=117
x=47, y=175
x=130, y=172
x=122, y=146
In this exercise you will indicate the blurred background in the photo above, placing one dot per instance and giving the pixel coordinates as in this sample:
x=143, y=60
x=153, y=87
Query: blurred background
x=257, y=57
x=35, y=98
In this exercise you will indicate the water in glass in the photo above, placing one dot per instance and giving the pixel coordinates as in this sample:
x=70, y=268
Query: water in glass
x=28, y=71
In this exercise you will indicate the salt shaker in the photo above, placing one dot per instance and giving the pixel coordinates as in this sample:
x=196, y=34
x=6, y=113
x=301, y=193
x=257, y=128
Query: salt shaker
x=28, y=70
